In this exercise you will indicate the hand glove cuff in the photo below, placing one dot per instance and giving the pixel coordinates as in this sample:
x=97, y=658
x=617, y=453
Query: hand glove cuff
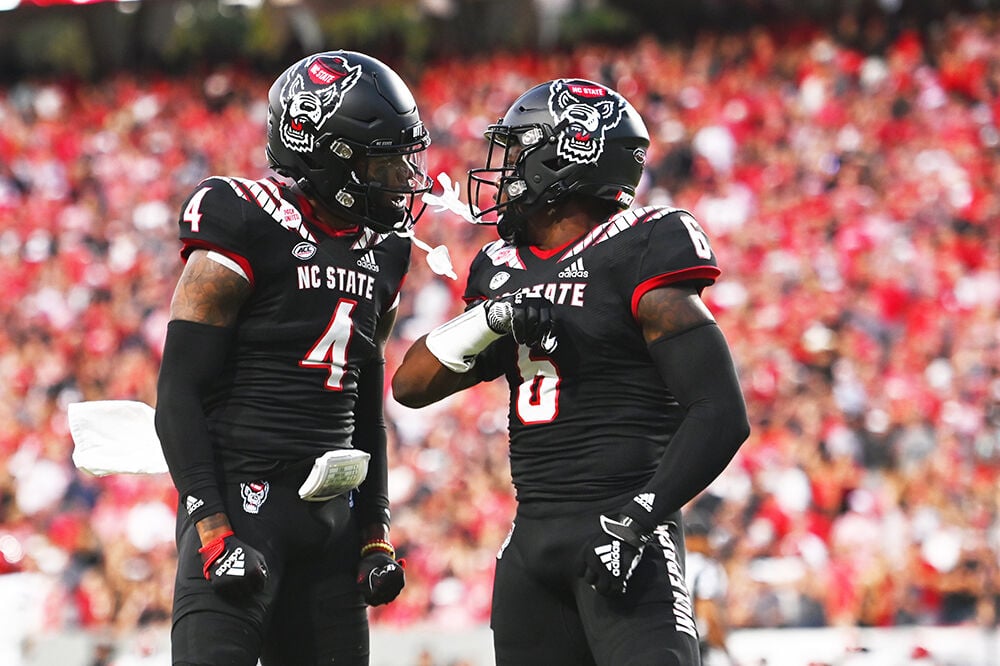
x=641, y=518
x=638, y=525
x=216, y=544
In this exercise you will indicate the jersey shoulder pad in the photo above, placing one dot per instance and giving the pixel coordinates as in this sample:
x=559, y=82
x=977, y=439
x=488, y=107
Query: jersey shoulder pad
x=501, y=253
x=677, y=248
x=483, y=274
x=214, y=217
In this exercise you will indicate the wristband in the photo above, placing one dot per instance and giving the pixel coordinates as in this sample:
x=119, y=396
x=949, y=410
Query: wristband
x=378, y=544
x=457, y=342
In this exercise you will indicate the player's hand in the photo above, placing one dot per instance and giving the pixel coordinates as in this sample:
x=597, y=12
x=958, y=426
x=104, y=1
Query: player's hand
x=610, y=558
x=380, y=575
x=527, y=318
x=233, y=567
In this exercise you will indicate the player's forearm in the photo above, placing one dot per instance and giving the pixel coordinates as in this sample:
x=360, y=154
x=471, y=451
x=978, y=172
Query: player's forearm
x=212, y=527
x=422, y=379
x=193, y=357
x=370, y=436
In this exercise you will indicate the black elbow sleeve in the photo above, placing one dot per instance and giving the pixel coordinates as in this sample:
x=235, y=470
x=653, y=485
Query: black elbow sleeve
x=698, y=369
x=194, y=356
x=370, y=435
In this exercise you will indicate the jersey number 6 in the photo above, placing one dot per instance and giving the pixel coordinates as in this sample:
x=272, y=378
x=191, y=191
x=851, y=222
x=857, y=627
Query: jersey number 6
x=538, y=394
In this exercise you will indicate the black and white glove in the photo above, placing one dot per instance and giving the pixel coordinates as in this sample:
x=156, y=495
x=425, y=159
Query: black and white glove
x=611, y=557
x=527, y=318
x=233, y=567
x=380, y=574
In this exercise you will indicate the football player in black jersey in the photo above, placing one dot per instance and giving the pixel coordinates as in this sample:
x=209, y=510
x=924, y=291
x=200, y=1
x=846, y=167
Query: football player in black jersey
x=624, y=398
x=274, y=358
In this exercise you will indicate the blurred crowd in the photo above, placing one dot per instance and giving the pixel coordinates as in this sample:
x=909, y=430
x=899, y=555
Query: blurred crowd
x=848, y=177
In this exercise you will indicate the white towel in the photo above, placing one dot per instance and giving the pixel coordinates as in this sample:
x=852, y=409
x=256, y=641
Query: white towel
x=115, y=437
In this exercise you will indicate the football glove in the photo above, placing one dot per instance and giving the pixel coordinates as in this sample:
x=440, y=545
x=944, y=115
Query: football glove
x=527, y=318
x=232, y=567
x=611, y=557
x=380, y=575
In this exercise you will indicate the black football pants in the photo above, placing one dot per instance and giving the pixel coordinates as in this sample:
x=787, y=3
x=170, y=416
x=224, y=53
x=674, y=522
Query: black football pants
x=545, y=614
x=309, y=612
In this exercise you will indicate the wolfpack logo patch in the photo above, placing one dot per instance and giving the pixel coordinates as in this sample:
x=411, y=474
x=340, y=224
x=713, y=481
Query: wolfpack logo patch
x=254, y=494
x=584, y=111
x=308, y=101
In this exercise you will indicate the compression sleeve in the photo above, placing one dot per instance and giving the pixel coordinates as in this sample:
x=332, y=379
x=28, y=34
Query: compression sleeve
x=697, y=367
x=370, y=436
x=193, y=358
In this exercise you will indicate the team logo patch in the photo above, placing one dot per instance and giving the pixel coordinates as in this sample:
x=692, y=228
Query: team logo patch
x=309, y=101
x=254, y=494
x=304, y=251
x=585, y=111
x=499, y=279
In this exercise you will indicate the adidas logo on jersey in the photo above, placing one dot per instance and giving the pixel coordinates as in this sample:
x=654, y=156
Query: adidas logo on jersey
x=192, y=504
x=368, y=261
x=610, y=555
x=575, y=270
x=645, y=500
x=234, y=565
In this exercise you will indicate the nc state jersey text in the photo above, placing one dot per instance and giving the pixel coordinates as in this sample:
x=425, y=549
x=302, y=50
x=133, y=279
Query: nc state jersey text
x=338, y=278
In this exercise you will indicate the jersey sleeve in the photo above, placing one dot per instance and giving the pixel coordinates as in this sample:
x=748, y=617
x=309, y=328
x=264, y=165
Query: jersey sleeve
x=487, y=366
x=213, y=218
x=676, y=250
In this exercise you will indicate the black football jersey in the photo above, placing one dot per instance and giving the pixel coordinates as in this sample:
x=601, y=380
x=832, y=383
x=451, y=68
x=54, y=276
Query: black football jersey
x=290, y=384
x=590, y=419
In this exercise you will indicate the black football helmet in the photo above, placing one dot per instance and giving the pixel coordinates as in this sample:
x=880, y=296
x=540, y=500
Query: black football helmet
x=563, y=137
x=346, y=128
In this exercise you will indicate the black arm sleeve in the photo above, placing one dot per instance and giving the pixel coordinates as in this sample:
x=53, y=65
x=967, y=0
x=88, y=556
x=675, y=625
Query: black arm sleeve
x=193, y=357
x=697, y=367
x=370, y=435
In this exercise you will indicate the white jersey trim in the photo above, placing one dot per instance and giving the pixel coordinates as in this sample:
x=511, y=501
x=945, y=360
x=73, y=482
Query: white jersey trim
x=223, y=260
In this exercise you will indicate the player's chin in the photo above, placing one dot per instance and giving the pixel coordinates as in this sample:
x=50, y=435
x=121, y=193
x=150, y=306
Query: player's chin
x=391, y=211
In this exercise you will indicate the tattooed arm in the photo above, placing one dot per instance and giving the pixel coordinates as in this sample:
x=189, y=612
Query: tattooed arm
x=669, y=311
x=208, y=292
x=204, y=309
x=694, y=360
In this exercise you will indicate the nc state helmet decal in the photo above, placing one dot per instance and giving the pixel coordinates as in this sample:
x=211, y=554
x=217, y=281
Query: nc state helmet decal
x=583, y=113
x=311, y=96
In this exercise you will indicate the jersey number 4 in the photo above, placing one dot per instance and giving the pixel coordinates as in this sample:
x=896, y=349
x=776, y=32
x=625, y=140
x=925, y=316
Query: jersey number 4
x=330, y=351
x=192, y=212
